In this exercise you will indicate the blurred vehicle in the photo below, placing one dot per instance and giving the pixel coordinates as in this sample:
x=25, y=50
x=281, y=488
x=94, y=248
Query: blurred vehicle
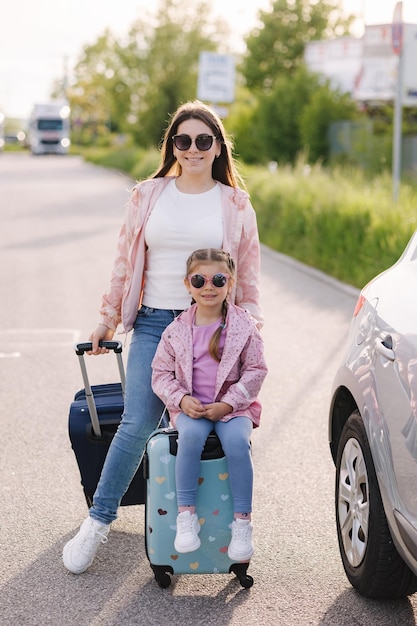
x=373, y=435
x=16, y=137
x=49, y=128
x=1, y=131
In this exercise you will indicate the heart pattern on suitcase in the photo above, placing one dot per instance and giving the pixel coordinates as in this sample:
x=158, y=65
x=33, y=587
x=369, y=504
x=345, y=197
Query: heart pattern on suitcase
x=214, y=509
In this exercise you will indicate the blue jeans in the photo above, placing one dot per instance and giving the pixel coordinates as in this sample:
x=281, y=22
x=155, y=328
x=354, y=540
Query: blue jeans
x=234, y=436
x=142, y=412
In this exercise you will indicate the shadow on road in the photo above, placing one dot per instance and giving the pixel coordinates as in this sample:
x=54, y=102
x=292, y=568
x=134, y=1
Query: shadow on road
x=352, y=608
x=118, y=589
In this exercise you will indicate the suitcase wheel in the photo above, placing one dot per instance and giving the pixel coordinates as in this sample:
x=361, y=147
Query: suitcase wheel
x=240, y=569
x=246, y=581
x=164, y=581
x=161, y=576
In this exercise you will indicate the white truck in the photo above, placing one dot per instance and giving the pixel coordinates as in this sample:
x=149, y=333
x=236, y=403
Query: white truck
x=49, y=128
x=1, y=131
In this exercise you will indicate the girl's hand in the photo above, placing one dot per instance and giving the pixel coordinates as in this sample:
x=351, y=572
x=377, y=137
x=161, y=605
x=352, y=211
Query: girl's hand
x=217, y=410
x=192, y=407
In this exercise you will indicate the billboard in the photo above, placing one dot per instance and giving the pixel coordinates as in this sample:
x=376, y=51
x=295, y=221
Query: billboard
x=378, y=73
x=339, y=60
x=367, y=67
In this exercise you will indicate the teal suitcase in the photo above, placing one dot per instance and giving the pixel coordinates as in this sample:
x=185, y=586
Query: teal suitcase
x=214, y=507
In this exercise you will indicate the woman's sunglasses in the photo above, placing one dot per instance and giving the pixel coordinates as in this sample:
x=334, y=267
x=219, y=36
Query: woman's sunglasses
x=217, y=280
x=202, y=142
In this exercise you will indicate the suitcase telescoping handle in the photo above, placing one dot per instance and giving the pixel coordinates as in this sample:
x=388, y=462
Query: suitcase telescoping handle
x=80, y=349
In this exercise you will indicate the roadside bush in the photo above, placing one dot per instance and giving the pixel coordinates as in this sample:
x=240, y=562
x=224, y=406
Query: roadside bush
x=123, y=158
x=337, y=220
x=139, y=163
x=146, y=164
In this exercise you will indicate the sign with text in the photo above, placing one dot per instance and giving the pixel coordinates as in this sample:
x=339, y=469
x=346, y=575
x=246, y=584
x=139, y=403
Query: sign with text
x=216, y=77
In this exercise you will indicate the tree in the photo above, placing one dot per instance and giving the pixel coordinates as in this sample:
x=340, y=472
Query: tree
x=277, y=47
x=170, y=53
x=326, y=105
x=281, y=86
x=135, y=84
x=293, y=117
x=279, y=113
x=100, y=95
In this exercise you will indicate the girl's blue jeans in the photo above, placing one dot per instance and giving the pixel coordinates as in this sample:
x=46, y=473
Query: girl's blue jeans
x=142, y=412
x=234, y=436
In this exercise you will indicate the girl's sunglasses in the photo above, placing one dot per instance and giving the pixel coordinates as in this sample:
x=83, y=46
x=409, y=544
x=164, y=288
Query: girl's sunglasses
x=202, y=142
x=217, y=280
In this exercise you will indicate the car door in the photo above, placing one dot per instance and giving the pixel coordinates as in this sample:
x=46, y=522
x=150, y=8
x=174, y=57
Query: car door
x=395, y=375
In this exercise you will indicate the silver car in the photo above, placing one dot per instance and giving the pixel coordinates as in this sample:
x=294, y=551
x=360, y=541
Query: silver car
x=373, y=435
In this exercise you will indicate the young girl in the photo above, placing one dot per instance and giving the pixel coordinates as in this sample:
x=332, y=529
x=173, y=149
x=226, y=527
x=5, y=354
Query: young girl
x=208, y=369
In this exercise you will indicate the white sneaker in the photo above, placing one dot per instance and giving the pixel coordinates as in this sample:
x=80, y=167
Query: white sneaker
x=241, y=546
x=187, y=539
x=79, y=552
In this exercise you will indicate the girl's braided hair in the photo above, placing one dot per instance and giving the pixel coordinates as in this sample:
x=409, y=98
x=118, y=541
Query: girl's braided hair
x=209, y=255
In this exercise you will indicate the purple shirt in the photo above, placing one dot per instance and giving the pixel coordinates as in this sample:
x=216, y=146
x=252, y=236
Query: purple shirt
x=204, y=366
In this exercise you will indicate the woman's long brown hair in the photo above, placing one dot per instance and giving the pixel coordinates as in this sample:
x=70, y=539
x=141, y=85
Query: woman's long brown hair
x=224, y=168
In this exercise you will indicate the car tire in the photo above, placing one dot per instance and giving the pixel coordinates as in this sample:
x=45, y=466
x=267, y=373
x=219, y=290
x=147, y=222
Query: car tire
x=371, y=562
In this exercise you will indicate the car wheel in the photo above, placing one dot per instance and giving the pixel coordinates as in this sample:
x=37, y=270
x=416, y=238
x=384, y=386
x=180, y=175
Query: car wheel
x=371, y=562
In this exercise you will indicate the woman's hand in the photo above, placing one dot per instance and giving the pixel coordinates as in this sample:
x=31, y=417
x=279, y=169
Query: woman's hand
x=101, y=333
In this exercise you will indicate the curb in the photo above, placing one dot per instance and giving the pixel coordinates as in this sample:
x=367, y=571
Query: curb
x=315, y=273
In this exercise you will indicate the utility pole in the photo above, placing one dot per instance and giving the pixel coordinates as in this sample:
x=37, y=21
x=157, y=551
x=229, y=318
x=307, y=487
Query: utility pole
x=397, y=46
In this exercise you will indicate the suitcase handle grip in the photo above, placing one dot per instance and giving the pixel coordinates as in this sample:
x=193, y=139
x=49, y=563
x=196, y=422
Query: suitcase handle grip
x=86, y=346
x=80, y=349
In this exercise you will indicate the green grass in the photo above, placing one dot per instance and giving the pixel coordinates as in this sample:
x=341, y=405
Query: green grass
x=337, y=220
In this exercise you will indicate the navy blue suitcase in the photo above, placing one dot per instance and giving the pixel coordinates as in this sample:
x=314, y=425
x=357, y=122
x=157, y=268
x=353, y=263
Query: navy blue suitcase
x=214, y=507
x=94, y=416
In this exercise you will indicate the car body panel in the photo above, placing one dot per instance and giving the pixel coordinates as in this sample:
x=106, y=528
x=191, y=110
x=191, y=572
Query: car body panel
x=378, y=376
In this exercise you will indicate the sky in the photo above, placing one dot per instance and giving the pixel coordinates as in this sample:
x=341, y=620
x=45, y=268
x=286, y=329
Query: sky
x=40, y=39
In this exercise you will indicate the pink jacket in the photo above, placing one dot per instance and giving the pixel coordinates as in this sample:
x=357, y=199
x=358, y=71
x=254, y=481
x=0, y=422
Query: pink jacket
x=241, y=371
x=240, y=239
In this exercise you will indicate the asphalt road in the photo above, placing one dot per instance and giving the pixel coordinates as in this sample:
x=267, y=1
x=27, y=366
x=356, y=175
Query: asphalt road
x=59, y=224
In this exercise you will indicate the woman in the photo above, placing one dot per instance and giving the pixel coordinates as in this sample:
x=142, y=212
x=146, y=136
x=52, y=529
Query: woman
x=192, y=201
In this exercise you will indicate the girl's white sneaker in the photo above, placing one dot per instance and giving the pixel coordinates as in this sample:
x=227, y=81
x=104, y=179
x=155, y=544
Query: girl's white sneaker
x=187, y=539
x=241, y=546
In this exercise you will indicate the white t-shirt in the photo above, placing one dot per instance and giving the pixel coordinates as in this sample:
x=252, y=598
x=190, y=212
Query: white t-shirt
x=179, y=224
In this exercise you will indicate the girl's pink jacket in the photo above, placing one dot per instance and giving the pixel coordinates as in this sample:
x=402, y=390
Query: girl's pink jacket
x=241, y=371
x=240, y=239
